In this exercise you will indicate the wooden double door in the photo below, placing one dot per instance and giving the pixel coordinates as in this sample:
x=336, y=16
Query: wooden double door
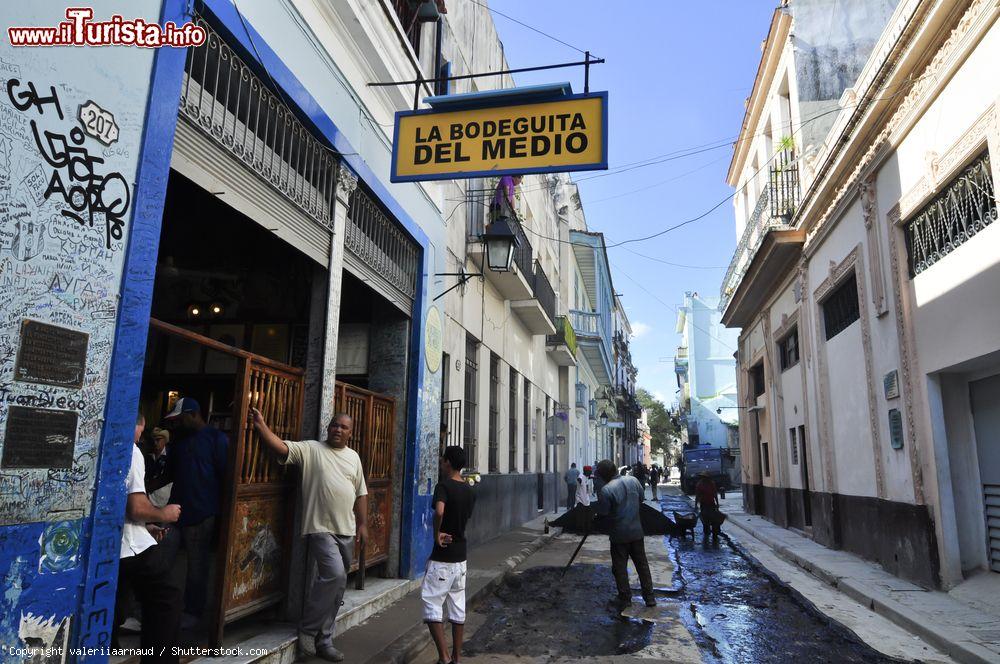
x=256, y=529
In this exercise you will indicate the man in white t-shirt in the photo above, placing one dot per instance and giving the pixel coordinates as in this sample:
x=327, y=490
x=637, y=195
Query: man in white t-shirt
x=145, y=568
x=334, y=509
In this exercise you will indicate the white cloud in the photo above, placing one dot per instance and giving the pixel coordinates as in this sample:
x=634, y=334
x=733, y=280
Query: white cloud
x=639, y=329
x=659, y=396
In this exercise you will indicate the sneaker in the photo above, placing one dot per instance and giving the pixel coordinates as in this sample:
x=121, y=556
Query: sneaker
x=650, y=602
x=328, y=652
x=132, y=625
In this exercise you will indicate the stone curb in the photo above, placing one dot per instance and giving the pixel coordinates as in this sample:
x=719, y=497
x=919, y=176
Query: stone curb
x=407, y=646
x=955, y=645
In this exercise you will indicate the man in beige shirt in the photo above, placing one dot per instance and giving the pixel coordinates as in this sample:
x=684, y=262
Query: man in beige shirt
x=334, y=509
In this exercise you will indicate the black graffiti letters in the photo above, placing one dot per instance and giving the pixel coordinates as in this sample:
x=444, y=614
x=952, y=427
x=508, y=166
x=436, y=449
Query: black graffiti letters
x=89, y=196
x=24, y=100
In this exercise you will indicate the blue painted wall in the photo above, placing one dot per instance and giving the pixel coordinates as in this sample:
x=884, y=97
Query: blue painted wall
x=60, y=543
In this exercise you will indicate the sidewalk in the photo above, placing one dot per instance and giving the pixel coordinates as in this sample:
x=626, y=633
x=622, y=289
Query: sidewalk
x=963, y=623
x=398, y=632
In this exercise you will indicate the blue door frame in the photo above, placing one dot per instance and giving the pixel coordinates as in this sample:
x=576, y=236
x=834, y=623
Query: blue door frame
x=102, y=530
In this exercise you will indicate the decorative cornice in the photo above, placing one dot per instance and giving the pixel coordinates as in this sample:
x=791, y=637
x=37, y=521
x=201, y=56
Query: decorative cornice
x=941, y=169
x=931, y=80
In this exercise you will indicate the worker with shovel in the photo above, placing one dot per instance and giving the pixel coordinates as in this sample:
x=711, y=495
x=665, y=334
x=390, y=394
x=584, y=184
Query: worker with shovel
x=621, y=500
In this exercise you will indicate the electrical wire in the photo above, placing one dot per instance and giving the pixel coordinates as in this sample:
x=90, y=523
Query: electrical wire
x=731, y=195
x=669, y=306
x=530, y=27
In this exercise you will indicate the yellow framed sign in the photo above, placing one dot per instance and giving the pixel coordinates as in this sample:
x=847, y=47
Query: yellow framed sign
x=559, y=135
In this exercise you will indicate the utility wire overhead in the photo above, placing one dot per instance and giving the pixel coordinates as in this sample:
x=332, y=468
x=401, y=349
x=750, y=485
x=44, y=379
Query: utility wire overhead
x=523, y=24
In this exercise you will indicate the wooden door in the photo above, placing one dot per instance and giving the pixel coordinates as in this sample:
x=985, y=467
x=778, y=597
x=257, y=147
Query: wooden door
x=257, y=530
x=256, y=520
x=374, y=440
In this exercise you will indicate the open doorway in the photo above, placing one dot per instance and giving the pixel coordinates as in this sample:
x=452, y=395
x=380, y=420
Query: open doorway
x=230, y=314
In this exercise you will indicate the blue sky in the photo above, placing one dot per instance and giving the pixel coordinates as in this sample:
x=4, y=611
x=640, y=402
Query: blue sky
x=677, y=75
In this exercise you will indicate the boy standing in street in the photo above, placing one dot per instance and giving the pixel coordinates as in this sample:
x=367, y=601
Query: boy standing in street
x=334, y=508
x=444, y=582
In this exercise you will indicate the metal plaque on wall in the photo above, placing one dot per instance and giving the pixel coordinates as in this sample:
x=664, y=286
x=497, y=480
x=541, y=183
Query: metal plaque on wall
x=896, y=429
x=51, y=355
x=39, y=438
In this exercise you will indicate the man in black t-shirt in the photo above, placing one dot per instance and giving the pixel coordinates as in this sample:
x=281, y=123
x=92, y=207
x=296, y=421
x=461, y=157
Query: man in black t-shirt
x=444, y=583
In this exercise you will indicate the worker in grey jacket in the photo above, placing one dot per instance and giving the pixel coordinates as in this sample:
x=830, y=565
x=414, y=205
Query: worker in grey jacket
x=621, y=500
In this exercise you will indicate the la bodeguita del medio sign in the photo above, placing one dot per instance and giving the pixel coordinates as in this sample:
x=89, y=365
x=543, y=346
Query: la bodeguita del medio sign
x=566, y=134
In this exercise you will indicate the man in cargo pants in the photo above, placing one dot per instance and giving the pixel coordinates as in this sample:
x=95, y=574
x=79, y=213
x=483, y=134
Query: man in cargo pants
x=334, y=508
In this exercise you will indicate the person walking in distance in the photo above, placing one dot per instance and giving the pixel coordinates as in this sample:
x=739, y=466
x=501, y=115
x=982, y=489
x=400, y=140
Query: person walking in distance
x=621, y=499
x=570, y=477
x=443, y=586
x=654, y=480
x=334, y=512
x=706, y=494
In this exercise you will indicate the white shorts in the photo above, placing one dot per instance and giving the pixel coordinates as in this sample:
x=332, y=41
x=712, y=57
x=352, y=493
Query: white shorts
x=444, y=587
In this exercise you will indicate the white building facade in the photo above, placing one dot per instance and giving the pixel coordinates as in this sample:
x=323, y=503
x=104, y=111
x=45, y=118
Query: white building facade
x=865, y=283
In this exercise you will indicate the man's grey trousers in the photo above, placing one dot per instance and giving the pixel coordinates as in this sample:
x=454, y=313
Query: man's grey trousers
x=332, y=554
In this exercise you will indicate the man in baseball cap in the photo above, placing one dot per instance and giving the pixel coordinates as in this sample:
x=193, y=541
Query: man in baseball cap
x=197, y=466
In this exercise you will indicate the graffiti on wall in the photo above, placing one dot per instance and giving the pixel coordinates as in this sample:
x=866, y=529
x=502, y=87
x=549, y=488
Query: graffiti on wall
x=64, y=205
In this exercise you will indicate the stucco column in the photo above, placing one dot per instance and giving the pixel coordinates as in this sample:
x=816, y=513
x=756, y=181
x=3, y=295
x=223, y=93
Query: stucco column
x=347, y=182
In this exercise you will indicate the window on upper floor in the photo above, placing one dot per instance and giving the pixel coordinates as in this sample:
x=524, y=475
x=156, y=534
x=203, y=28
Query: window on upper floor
x=840, y=308
x=964, y=207
x=757, y=380
x=788, y=349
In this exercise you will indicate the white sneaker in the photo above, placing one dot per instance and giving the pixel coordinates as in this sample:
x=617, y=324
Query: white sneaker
x=131, y=625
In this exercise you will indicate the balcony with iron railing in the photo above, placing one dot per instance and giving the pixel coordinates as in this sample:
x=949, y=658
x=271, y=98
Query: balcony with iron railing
x=768, y=246
x=526, y=285
x=593, y=336
x=562, y=345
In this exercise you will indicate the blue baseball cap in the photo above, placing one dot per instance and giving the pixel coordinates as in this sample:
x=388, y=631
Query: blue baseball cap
x=183, y=405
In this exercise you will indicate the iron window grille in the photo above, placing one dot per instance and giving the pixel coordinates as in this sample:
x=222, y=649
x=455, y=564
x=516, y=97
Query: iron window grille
x=494, y=414
x=526, y=425
x=788, y=350
x=512, y=422
x=765, y=460
x=451, y=423
x=470, y=421
x=964, y=207
x=841, y=307
x=793, y=446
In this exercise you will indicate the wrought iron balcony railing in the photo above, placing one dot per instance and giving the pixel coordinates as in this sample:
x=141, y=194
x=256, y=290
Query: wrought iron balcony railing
x=543, y=291
x=774, y=211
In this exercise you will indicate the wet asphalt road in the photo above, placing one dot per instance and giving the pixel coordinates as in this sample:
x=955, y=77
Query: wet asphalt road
x=725, y=607
x=737, y=613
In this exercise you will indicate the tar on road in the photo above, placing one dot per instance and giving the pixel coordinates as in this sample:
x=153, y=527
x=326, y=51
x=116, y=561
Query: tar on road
x=714, y=605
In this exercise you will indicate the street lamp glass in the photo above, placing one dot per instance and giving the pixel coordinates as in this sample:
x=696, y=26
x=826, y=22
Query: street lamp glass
x=604, y=418
x=500, y=244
